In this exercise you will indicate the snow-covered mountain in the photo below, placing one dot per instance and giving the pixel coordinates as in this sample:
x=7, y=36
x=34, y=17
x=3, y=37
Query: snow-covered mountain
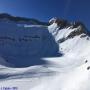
x=54, y=57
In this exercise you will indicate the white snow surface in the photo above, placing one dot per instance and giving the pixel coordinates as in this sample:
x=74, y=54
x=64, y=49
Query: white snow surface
x=66, y=72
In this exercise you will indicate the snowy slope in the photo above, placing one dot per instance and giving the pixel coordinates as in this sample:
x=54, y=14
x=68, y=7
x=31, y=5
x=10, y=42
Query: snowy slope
x=65, y=64
x=26, y=44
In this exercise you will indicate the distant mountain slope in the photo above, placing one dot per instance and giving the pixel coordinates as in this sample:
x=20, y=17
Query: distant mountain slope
x=25, y=45
x=5, y=16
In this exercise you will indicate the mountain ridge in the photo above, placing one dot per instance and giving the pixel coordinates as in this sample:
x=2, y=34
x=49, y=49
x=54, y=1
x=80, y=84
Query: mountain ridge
x=79, y=27
x=6, y=16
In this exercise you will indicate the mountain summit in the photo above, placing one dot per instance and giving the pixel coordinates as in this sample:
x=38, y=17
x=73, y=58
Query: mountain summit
x=77, y=28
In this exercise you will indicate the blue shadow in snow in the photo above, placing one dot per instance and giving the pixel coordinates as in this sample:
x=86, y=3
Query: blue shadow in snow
x=26, y=56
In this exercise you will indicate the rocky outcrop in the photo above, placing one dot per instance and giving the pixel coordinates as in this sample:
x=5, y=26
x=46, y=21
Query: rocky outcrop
x=60, y=22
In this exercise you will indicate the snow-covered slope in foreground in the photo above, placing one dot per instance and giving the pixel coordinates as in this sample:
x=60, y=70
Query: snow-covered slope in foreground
x=67, y=72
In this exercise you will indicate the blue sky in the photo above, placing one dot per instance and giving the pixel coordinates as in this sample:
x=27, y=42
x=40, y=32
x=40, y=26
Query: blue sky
x=46, y=9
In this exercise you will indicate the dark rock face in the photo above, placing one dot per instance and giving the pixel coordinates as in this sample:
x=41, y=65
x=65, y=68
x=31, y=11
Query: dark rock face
x=61, y=40
x=76, y=33
x=88, y=67
x=78, y=23
x=81, y=30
